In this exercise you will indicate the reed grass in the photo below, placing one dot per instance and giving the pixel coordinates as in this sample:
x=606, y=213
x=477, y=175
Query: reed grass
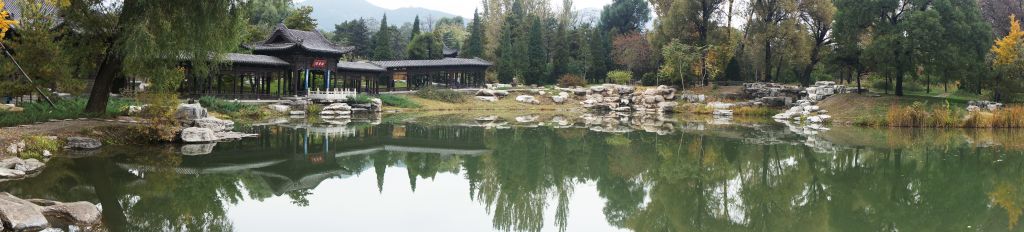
x=750, y=111
x=945, y=117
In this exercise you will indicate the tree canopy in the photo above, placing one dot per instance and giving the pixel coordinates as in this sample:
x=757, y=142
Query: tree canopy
x=301, y=19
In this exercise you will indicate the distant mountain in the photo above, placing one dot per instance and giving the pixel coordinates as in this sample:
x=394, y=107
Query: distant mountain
x=330, y=12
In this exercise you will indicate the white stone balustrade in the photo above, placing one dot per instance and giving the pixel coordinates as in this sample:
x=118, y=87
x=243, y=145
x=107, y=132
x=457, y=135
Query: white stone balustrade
x=331, y=95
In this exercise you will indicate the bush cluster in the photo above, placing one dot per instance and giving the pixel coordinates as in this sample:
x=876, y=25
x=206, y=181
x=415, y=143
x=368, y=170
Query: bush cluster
x=398, y=101
x=620, y=77
x=445, y=95
x=570, y=80
x=945, y=117
x=234, y=110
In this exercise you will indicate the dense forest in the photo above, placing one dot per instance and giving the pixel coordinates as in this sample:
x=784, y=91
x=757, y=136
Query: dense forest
x=890, y=46
x=968, y=47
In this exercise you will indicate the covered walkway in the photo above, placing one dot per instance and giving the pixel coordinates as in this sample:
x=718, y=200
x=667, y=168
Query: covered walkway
x=397, y=75
x=297, y=63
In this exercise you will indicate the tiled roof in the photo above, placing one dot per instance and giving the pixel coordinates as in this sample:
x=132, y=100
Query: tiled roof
x=309, y=40
x=450, y=52
x=360, y=66
x=236, y=58
x=433, y=63
x=274, y=47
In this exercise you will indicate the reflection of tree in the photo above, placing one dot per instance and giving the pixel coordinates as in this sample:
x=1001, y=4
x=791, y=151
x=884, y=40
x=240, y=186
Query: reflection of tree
x=679, y=182
x=1005, y=195
x=380, y=165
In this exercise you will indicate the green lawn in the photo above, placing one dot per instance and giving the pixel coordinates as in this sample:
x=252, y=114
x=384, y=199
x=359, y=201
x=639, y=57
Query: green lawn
x=65, y=109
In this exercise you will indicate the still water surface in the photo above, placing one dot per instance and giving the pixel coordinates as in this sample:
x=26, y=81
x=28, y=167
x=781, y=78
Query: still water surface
x=413, y=174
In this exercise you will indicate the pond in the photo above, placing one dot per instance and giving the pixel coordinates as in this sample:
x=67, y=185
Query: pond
x=450, y=173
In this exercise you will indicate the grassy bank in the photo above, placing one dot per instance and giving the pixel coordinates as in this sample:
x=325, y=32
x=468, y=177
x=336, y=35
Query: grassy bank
x=746, y=111
x=917, y=111
x=466, y=102
x=236, y=111
x=65, y=109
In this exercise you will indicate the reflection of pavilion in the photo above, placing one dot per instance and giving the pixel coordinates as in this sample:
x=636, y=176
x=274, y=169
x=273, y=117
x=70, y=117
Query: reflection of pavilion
x=298, y=157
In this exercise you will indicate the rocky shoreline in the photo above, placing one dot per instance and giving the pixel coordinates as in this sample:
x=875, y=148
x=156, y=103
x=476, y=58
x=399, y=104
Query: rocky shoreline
x=37, y=214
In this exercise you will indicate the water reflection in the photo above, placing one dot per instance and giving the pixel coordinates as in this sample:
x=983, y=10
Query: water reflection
x=705, y=177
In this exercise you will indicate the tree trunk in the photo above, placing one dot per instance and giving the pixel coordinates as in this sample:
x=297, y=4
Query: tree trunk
x=899, y=84
x=859, y=88
x=767, y=61
x=112, y=62
x=100, y=93
x=928, y=83
x=888, y=82
x=945, y=81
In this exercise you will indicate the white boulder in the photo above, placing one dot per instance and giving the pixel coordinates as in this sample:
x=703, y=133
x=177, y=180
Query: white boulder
x=214, y=124
x=527, y=99
x=487, y=98
x=198, y=135
x=280, y=108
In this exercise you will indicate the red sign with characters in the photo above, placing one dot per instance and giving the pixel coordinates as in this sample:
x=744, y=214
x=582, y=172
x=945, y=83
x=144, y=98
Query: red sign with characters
x=319, y=63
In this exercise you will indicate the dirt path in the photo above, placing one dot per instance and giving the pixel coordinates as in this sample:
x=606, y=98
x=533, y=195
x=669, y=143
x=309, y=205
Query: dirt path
x=60, y=128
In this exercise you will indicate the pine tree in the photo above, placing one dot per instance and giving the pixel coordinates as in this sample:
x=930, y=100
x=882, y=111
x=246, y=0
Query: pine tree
x=425, y=46
x=560, y=57
x=600, y=52
x=511, y=50
x=382, y=41
x=625, y=16
x=474, y=46
x=537, y=55
x=301, y=19
x=38, y=51
x=354, y=33
x=415, y=28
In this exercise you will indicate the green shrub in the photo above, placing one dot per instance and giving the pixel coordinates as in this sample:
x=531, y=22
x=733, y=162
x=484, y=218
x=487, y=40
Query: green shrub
x=620, y=77
x=64, y=109
x=650, y=79
x=360, y=99
x=219, y=105
x=398, y=101
x=879, y=83
x=314, y=109
x=235, y=110
x=35, y=145
x=754, y=111
x=570, y=80
x=445, y=95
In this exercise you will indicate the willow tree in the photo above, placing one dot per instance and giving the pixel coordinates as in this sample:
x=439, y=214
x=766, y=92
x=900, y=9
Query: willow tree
x=151, y=37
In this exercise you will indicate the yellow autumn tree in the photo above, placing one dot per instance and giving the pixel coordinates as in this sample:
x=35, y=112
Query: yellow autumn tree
x=1007, y=49
x=5, y=22
x=1007, y=61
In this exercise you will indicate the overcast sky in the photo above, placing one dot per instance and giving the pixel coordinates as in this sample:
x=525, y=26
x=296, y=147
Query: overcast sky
x=465, y=7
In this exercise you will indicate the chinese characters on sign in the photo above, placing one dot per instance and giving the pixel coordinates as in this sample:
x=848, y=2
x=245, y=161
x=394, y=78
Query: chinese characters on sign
x=319, y=63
